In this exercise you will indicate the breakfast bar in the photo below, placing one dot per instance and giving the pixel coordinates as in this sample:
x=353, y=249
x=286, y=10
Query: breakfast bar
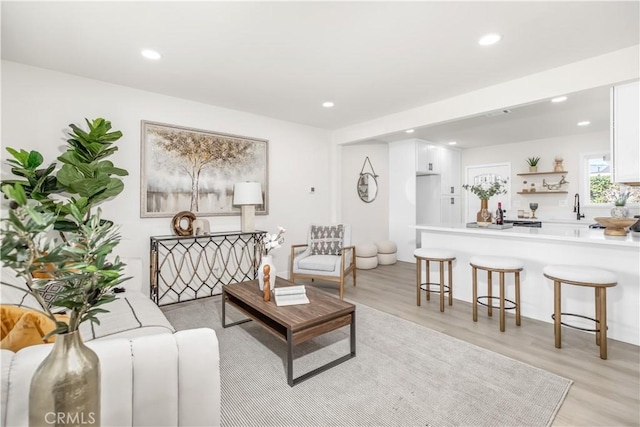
x=551, y=244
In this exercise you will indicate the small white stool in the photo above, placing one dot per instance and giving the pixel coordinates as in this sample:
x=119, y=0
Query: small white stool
x=436, y=255
x=366, y=257
x=387, y=252
x=581, y=276
x=502, y=265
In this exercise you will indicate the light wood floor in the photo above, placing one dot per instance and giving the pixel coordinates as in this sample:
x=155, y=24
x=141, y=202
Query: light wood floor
x=604, y=392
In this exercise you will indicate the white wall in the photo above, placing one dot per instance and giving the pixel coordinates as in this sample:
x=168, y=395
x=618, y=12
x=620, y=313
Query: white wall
x=551, y=206
x=368, y=220
x=37, y=106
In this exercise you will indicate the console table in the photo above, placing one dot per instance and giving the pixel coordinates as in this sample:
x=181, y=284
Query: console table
x=185, y=268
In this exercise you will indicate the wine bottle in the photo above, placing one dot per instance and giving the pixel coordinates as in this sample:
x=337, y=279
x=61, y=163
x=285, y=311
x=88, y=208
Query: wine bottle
x=499, y=215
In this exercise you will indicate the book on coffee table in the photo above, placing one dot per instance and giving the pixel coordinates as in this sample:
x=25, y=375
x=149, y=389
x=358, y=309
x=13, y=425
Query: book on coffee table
x=290, y=295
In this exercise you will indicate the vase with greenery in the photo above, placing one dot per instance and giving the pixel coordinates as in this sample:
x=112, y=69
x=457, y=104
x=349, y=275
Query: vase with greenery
x=533, y=163
x=55, y=232
x=485, y=191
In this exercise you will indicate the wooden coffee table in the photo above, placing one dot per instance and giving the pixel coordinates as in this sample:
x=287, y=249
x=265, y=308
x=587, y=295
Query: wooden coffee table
x=294, y=324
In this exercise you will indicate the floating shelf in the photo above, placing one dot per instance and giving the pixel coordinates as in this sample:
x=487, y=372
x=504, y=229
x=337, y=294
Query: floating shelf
x=543, y=192
x=542, y=173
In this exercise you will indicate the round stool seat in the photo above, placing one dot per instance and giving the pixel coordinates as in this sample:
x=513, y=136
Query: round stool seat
x=579, y=275
x=366, y=263
x=434, y=254
x=496, y=262
x=387, y=247
x=365, y=251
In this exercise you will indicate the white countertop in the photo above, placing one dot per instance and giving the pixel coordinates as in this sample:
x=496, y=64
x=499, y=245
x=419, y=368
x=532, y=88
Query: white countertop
x=558, y=232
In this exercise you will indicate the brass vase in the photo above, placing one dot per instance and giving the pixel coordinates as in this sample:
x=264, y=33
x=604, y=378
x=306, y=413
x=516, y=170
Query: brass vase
x=484, y=205
x=65, y=389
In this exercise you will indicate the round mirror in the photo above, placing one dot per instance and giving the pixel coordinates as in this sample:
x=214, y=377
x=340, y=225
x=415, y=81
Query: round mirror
x=367, y=187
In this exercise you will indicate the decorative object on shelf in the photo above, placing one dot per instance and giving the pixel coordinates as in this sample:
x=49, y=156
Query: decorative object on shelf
x=367, y=183
x=201, y=227
x=558, y=167
x=616, y=226
x=78, y=259
x=185, y=169
x=266, y=292
x=533, y=163
x=247, y=195
x=485, y=187
x=270, y=242
x=554, y=185
x=534, y=208
x=178, y=221
x=533, y=188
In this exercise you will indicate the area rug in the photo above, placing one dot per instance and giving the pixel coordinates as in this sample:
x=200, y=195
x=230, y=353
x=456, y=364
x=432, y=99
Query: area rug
x=403, y=375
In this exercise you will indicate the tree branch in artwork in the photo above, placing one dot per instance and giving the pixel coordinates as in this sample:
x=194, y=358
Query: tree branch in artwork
x=199, y=151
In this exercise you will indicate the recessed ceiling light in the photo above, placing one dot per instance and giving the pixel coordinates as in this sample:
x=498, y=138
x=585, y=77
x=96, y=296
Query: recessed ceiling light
x=151, y=54
x=409, y=131
x=559, y=99
x=489, y=39
x=584, y=123
x=327, y=104
x=452, y=142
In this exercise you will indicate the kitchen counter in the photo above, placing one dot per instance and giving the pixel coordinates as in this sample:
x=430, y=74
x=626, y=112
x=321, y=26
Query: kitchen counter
x=538, y=247
x=554, y=232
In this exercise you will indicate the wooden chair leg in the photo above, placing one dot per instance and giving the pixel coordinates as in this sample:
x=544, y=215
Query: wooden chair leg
x=441, y=285
x=474, y=278
x=489, y=294
x=518, y=298
x=428, y=280
x=502, y=320
x=341, y=288
x=598, y=323
x=450, y=285
x=557, y=316
x=418, y=280
x=603, y=323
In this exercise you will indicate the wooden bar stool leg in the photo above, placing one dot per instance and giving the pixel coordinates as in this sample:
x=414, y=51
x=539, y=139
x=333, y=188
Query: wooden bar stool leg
x=450, y=285
x=489, y=293
x=556, y=311
x=518, y=298
x=428, y=280
x=603, y=323
x=598, y=323
x=441, y=285
x=474, y=278
x=502, y=301
x=418, y=279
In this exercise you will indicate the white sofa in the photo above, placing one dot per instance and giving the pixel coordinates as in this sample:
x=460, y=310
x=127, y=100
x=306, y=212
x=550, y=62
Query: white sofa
x=150, y=374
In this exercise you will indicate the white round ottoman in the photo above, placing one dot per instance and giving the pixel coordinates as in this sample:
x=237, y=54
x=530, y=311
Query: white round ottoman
x=387, y=252
x=366, y=257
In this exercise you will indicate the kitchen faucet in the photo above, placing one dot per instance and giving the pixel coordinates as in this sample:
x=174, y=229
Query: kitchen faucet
x=576, y=206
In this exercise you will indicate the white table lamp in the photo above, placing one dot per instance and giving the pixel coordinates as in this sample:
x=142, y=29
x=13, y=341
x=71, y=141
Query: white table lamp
x=247, y=195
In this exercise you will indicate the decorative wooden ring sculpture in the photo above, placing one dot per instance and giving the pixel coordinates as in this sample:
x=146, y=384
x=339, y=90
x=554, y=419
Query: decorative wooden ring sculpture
x=177, y=223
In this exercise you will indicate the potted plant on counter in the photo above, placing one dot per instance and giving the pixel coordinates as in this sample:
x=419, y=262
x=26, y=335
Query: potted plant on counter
x=533, y=164
x=485, y=191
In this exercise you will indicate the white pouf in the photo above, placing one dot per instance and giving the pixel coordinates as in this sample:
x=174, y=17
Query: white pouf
x=366, y=257
x=387, y=252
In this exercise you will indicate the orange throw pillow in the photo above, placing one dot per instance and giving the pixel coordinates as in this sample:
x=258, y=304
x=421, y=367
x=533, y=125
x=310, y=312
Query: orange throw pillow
x=22, y=327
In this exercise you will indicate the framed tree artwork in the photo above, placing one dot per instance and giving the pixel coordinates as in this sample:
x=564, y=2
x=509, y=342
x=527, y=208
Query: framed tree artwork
x=185, y=169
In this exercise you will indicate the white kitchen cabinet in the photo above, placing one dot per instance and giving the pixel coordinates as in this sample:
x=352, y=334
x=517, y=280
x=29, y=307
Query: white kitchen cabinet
x=428, y=158
x=450, y=172
x=625, y=133
x=402, y=197
x=450, y=210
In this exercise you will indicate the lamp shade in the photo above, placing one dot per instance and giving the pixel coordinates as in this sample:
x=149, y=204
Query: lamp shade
x=247, y=193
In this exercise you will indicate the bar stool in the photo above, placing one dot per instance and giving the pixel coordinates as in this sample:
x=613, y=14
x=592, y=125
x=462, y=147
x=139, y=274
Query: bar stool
x=436, y=255
x=502, y=265
x=581, y=276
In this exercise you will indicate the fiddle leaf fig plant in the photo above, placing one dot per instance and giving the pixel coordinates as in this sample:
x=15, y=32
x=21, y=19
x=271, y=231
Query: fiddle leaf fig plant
x=44, y=200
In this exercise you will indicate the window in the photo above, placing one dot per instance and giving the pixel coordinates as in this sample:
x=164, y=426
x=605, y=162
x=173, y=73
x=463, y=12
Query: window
x=598, y=186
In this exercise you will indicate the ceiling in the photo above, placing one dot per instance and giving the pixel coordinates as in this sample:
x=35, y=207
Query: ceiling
x=284, y=59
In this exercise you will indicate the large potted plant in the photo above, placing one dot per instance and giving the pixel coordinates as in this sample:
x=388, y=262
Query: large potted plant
x=54, y=232
x=485, y=191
